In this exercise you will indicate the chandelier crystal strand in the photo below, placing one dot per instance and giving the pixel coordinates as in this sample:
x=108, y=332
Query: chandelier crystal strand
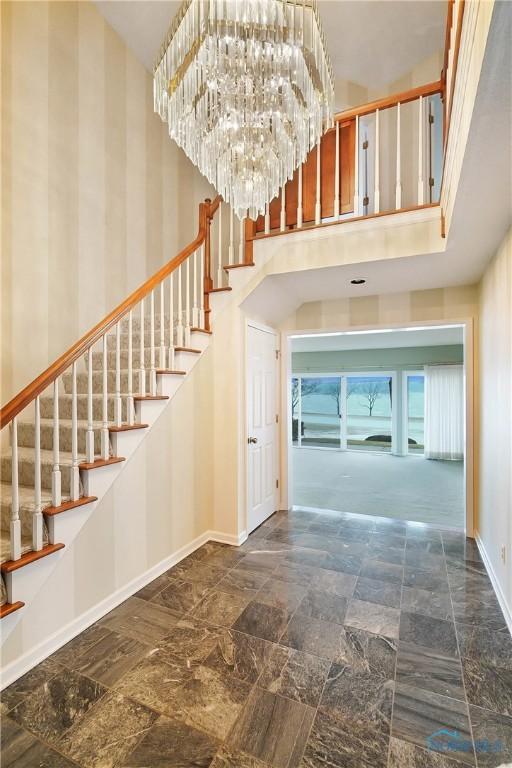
x=246, y=88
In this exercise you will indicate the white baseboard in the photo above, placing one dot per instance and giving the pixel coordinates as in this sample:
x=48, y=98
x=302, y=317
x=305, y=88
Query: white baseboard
x=27, y=661
x=227, y=538
x=507, y=610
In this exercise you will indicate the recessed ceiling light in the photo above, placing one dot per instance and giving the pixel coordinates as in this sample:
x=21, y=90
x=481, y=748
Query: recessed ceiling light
x=358, y=281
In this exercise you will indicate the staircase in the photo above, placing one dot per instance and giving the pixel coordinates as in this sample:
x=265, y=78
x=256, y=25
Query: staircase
x=71, y=429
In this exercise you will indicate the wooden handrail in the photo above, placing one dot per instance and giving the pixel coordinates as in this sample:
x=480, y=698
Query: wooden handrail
x=36, y=387
x=391, y=101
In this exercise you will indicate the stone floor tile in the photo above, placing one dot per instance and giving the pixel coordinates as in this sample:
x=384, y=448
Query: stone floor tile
x=106, y=735
x=429, y=720
x=273, y=729
x=373, y=618
x=171, y=743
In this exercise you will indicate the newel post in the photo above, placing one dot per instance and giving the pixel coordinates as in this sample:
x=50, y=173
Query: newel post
x=208, y=282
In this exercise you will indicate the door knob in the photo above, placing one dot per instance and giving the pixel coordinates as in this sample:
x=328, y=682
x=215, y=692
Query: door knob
x=252, y=440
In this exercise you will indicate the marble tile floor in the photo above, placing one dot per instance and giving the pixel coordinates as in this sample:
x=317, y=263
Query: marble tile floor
x=324, y=641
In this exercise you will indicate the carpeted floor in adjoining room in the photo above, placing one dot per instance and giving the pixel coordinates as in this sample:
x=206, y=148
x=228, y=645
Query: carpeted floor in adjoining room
x=400, y=487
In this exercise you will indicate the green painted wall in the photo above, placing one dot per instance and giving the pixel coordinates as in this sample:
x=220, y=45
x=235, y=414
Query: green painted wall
x=403, y=358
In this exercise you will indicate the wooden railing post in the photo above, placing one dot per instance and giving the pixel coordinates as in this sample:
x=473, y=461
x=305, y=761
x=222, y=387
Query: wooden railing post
x=208, y=282
x=250, y=232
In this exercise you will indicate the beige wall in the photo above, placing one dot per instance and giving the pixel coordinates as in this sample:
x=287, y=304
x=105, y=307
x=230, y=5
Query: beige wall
x=495, y=445
x=457, y=303
x=95, y=196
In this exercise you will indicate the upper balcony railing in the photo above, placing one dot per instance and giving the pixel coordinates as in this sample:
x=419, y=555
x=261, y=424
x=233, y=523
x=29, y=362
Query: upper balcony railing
x=379, y=158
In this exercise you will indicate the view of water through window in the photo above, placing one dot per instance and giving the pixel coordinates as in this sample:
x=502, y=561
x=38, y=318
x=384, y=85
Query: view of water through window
x=355, y=411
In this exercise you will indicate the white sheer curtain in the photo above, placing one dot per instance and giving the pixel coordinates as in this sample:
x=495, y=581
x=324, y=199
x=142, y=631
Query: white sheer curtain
x=444, y=412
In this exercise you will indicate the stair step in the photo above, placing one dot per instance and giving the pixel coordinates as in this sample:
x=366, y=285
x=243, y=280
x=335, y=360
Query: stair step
x=26, y=542
x=65, y=402
x=26, y=507
x=67, y=506
x=97, y=359
x=124, y=338
x=87, y=465
x=228, y=267
x=8, y=608
x=147, y=321
x=26, y=435
x=30, y=557
x=26, y=464
x=127, y=427
x=138, y=398
x=82, y=382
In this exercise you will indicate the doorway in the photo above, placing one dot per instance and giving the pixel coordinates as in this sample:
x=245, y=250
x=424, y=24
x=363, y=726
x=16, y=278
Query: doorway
x=262, y=451
x=378, y=423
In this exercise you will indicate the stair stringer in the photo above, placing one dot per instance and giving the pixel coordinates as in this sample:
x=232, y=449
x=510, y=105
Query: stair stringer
x=25, y=583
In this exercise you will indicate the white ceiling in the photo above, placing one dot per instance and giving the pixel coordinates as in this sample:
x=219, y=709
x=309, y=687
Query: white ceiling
x=389, y=339
x=371, y=42
x=374, y=42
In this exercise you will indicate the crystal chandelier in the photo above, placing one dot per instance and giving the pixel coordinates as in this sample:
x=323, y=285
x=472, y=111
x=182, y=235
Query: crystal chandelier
x=246, y=87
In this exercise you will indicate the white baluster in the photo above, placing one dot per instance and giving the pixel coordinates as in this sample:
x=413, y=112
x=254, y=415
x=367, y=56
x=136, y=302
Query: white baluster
x=337, y=172
x=219, y=265
x=267, y=219
x=201, y=288
x=231, y=252
x=152, y=365
x=282, y=222
x=179, y=327
x=162, y=326
x=15, y=525
x=318, y=206
x=142, y=369
x=89, y=437
x=171, y=322
x=356, y=171
x=299, y=199
x=376, y=191
x=187, y=302
x=118, y=405
x=105, y=446
x=421, y=180
x=241, y=244
x=56, y=477
x=195, y=308
x=398, y=189
x=37, y=517
x=75, y=472
x=129, y=399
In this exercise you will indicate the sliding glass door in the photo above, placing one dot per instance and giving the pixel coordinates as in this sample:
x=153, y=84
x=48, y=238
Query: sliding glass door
x=369, y=424
x=316, y=411
x=353, y=411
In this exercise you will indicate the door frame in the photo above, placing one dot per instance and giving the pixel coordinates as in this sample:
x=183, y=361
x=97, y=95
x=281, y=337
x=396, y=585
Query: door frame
x=469, y=371
x=278, y=492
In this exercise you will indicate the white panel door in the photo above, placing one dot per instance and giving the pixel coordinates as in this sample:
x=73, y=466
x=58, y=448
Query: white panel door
x=261, y=425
